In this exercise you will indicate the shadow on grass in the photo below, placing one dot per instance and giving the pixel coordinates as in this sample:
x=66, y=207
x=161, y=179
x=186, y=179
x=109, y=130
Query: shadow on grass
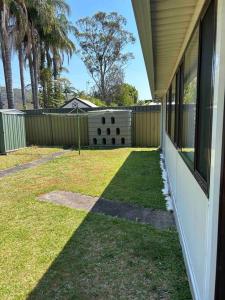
x=112, y=258
x=138, y=181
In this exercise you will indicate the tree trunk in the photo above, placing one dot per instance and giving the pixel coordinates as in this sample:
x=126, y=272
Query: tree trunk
x=103, y=95
x=8, y=76
x=1, y=103
x=20, y=55
x=55, y=66
x=6, y=55
x=36, y=103
x=6, y=59
x=35, y=70
x=3, y=62
x=31, y=78
x=42, y=77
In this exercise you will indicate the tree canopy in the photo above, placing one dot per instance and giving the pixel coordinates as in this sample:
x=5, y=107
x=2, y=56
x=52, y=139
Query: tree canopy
x=39, y=32
x=127, y=95
x=102, y=39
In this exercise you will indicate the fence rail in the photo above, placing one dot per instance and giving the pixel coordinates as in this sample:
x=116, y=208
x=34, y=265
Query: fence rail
x=137, y=108
x=62, y=129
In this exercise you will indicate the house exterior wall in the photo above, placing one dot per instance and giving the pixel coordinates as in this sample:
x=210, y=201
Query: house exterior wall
x=191, y=210
x=196, y=214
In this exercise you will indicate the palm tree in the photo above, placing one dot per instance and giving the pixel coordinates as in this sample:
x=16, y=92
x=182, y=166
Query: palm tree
x=6, y=51
x=55, y=44
x=12, y=12
x=21, y=66
x=21, y=27
x=47, y=41
x=38, y=31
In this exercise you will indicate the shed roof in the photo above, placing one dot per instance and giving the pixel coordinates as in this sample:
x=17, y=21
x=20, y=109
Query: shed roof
x=11, y=112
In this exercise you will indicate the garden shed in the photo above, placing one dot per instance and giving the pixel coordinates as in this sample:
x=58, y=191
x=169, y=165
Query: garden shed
x=12, y=130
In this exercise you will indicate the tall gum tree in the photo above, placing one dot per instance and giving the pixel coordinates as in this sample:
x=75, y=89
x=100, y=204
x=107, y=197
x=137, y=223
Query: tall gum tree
x=102, y=39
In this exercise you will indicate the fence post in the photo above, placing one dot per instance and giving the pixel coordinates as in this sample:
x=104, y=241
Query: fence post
x=51, y=128
x=78, y=128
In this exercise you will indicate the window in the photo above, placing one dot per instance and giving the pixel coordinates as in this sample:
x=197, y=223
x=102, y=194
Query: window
x=177, y=105
x=189, y=99
x=112, y=120
x=172, y=109
x=103, y=120
x=170, y=100
x=122, y=140
x=108, y=131
x=113, y=141
x=204, y=107
x=168, y=116
x=117, y=131
x=188, y=104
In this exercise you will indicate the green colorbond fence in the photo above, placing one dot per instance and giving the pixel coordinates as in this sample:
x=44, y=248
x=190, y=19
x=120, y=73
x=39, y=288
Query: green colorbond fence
x=56, y=130
x=61, y=129
x=50, y=129
x=146, y=129
x=12, y=130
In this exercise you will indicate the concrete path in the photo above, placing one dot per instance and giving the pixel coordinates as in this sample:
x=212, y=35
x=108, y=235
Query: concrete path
x=160, y=219
x=31, y=164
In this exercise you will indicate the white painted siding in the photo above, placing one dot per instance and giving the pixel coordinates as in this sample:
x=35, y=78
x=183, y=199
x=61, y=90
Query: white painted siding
x=191, y=209
x=197, y=215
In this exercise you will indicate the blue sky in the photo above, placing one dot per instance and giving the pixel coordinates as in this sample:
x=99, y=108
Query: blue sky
x=135, y=72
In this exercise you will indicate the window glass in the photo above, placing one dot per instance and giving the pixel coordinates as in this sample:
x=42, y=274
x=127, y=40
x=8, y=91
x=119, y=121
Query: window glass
x=189, y=98
x=172, y=109
x=204, y=127
x=168, y=112
x=177, y=110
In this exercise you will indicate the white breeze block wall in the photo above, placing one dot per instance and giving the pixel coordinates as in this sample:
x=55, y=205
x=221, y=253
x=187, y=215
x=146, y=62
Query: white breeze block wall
x=109, y=128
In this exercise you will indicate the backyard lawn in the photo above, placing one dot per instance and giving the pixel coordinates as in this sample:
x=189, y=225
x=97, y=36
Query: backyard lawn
x=25, y=155
x=54, y=252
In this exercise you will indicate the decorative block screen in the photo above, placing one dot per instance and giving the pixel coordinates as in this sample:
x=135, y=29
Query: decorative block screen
x=109, y=128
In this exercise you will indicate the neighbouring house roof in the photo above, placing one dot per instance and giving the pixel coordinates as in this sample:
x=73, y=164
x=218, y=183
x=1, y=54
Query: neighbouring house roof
x=83, y=101
x=164, y=28
x=11, y=112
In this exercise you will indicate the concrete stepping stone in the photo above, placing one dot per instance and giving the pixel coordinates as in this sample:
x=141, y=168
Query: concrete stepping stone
x=160, y=219
x=30, y=164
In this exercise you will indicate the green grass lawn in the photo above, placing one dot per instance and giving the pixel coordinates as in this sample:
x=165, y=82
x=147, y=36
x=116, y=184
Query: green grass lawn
x=53, y=252
x=24, y=155
x=131, y=175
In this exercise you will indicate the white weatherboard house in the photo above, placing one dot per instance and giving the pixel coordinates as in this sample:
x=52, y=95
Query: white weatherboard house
x=183, y=43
